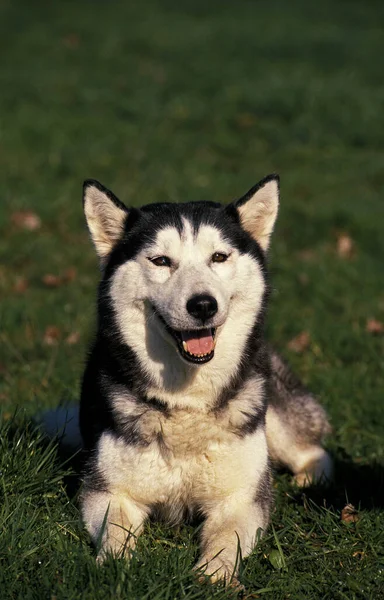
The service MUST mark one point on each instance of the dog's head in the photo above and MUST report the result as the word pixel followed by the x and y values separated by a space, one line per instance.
pixel 191 275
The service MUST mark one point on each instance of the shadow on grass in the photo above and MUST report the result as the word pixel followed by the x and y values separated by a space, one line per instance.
pixel 23 438
pixel 359 484
pixel 74 465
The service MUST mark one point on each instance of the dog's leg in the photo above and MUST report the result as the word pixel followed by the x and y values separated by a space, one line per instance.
pixel 113 521
pixel 231 531
pixel 307 459
pixel 296 426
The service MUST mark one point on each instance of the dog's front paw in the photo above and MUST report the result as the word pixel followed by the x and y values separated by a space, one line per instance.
pixel 216 569
pixel 117 548
pixel 107 552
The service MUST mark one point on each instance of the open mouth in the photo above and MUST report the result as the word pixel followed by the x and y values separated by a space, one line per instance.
pixel 197 346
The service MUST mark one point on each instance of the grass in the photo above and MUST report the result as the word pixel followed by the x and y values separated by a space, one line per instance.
pixel 176 100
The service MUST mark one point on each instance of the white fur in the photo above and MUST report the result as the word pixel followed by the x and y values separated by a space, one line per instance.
pixel 238 286
pixel 205 466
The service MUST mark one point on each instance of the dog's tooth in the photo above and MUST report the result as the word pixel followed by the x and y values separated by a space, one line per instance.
pixel 185 347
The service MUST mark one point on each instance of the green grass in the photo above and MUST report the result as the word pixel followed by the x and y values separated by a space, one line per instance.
pixel 194 100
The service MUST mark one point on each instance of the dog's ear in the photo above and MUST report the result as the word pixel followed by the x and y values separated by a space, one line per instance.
pixel 105 216
pixel 257 210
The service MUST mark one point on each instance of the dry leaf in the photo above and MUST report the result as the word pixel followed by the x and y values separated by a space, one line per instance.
pixel 69 274
pixel 307 255
pixel 71 40
pixel 300 343
pixel 245 120
pixel 73 338
pixel 51 280
pixel 303 278
pixel 374 326
pixel 349 514
pixel 52 335
pixel 29 332
pixel 26 219
pixel 345 245
pixel 20 285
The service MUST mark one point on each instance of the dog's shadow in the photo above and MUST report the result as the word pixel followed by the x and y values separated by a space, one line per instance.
pixel 359 484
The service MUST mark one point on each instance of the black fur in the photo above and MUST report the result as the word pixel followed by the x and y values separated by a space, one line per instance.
pixel 254 419
pixel 263 495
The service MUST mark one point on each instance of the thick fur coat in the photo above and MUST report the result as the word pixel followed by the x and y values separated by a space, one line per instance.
pixel 183 404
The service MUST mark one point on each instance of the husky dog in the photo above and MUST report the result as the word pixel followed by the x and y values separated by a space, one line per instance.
pixel 183 405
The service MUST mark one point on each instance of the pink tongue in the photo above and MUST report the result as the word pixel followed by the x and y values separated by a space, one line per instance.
pixel 198 342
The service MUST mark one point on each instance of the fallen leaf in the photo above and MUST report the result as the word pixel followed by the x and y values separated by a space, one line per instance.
pixel 26 219
pixel 374 326
pixel 307 255
pixel 71 40
pixel 349 514
pixel 29 332
pixel 51 280
pixel 20 285
pixel 51 335
pixel 300 343
pixel 245 120
pixel 345 246
pixel 72 338
pixel 69 274
pixel 303 278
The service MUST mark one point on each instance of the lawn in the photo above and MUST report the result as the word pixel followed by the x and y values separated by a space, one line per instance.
pixel 194 100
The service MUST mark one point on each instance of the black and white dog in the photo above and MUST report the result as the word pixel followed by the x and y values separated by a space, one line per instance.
pixel 183 405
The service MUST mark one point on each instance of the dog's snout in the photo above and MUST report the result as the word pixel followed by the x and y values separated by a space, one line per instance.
pixel 202 307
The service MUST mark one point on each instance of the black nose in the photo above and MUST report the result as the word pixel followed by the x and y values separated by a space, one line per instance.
pixel 202 306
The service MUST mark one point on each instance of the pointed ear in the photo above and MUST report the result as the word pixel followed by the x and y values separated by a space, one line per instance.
pixel 105 216
pixel 257 210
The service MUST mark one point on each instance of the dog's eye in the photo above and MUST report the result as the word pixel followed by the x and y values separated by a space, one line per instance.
pixel 161 261
pixel 219 257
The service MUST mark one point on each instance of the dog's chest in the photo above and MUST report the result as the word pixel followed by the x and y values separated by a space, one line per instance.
pixel 184 433
pixel 181 458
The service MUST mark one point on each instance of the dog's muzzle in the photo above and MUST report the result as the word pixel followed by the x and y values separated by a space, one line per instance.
pixel 195 346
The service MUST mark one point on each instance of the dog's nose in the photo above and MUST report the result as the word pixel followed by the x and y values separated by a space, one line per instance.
pixel 202 306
